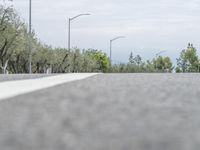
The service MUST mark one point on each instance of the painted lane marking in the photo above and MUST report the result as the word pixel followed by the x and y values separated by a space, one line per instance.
pixel 11 89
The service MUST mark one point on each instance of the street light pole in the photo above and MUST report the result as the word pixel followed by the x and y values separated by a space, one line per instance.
pixel 111 41
pixel 69 30
pixel 29 37
pixel 160 53
pixel 110 52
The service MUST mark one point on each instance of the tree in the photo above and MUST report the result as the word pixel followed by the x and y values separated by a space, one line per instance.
pixel 138 60
pixel 11 33
pixel 102 60
pixel 77 60
pixel 163 64
pixel 131 59
pixel 188 60
pixel 19 60
pixel 149 66
pixel 42 59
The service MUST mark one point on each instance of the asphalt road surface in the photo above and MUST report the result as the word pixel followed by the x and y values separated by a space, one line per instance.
pixel 106 112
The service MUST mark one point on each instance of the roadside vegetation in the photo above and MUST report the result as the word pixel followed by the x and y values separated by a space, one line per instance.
pixel 14 51
pixel 14 54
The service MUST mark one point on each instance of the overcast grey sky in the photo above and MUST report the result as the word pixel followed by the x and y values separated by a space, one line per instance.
pixel 150 26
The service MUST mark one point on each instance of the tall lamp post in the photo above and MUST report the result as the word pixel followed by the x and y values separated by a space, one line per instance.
pixel 29 37
pixel 69 30
pixel 111 41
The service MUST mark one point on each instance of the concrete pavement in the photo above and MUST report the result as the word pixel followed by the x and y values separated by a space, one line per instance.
pixel 106 112
pixel 18 87
pixel 13 77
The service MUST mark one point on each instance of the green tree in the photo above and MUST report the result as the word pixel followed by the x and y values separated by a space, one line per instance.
pixel 149 66
pixel 42 59
pixel 102 60
pixel 10 29
pixel 163 64
pixel 188 60
pixel 131 59
pixel 19 60
pixel 138 60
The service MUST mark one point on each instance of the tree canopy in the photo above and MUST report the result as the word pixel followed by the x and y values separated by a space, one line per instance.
pixel 188 60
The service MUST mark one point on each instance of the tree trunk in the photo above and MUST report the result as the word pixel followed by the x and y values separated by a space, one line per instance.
pixel 5 67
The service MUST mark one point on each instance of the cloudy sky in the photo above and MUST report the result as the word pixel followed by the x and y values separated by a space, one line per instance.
pixel 149 26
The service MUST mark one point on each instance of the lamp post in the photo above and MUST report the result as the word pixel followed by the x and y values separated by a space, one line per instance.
pixel 29 37
pixel 160 53
pixel 111 41
pixel 69 30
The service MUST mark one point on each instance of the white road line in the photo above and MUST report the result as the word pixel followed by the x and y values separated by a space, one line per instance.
pixel 14 88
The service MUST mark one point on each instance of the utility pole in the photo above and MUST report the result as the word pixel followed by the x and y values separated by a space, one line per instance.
pixel 29 37
pixel 69 32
